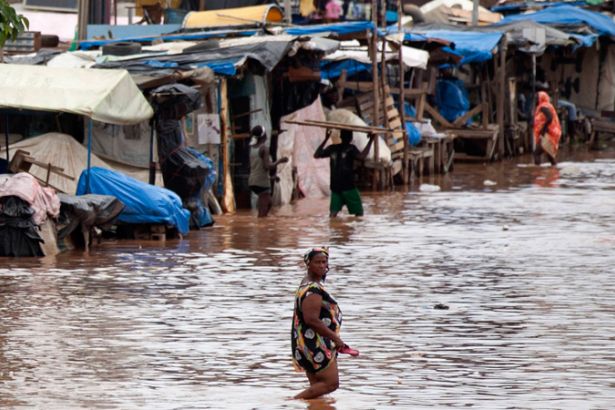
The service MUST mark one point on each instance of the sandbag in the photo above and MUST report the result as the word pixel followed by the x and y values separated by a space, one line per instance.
pixel 359 139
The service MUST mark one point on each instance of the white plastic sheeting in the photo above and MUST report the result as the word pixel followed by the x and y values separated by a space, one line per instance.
pixel 299 143
pixel 109 96
pixel 127 144
pixel 64 151
pixel 259 102
pixel 413 57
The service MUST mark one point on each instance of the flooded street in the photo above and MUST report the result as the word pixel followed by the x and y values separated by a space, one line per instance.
pixel 522 256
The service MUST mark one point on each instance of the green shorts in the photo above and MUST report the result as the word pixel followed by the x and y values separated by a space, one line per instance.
pixel 350 198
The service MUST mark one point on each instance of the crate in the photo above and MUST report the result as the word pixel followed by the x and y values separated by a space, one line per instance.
pixel 26 42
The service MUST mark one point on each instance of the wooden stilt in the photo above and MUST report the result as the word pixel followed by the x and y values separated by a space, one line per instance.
pixel 502 95
pixel 402 98
pixel 374 56
pixel 228 200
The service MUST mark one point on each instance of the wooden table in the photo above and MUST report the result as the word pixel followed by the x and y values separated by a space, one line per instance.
pixel 489 135
pixel 443 151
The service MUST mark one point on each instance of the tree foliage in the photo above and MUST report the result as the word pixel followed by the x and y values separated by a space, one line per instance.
pixel 11 23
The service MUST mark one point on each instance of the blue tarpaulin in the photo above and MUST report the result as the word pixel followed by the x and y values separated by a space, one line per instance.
pixel 144 203
pixel 337 28
pixel 222 67
pixel 564 14
pixel 333 69
pixel 474 46
pixel 452 98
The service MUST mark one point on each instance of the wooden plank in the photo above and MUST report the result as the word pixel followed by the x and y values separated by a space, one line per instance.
pixel 437 116
pixel 340 126
pixel 409 93
pixel 395 124
pixel 340 84
pixel 476 133
pixel 464 118
pixel 420 107
pixel 389 102
pixel 398 146
pixel 501 94
pixel 358 86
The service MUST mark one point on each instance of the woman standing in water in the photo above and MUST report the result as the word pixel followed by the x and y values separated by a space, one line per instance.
pixel 316 327
pixel 547 129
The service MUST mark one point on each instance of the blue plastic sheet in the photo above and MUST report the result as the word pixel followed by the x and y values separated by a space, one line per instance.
pixel 144 203
pixel 473 46
pixel 414 135
pixel 564 14
pixel 202 216
pixel 211 176
pixel 337 28
pixel 452 98
pixel 333 69
pixel 223 67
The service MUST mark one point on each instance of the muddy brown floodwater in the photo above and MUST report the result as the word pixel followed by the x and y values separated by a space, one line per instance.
pixel 522 256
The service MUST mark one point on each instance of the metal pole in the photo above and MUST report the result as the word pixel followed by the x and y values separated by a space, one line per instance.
pixel 475 6
pixel 87 180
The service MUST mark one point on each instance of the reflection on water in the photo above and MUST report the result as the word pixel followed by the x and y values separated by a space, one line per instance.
pixel 525 265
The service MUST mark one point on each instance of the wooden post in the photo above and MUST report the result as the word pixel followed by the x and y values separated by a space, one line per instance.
pixel 374 56
pixel 341 85
pixel 383 80
pixel 502 96
pixel 82 19
pixel 402 97
pixel 288 19
pixel 228 198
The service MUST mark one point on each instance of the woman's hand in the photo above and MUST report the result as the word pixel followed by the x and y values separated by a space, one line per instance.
pixel 339 343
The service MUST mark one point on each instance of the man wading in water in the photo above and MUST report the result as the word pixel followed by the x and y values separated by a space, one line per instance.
pixel 261 165
pixel 343 189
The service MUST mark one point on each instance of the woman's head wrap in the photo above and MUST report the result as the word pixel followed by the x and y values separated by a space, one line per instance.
pixel 307 257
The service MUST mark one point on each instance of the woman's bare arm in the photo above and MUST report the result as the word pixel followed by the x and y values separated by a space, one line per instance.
pixel 311 314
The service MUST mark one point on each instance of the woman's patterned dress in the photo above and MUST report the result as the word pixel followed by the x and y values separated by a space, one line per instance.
pixel 311 351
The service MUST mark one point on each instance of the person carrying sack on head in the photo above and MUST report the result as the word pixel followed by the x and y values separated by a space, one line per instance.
pixel 342 157
pixel 547 129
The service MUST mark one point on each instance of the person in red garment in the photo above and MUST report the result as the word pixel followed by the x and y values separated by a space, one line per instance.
pixel 315 334
pixel 547 130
